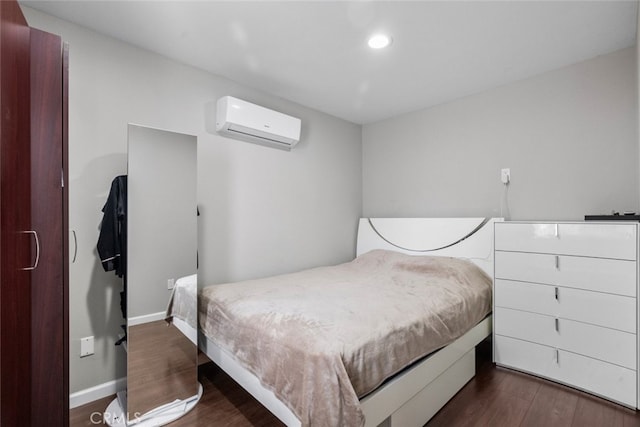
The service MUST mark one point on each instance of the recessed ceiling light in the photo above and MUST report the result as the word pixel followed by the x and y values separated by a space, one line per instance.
pixel 379 41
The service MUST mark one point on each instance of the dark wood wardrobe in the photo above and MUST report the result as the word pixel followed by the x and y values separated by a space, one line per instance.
pixel 34 377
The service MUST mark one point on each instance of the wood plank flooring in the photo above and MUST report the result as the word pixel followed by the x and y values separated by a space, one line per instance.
pixel 494 397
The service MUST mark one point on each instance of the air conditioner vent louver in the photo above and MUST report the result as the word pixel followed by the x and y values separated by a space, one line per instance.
pixel 238 132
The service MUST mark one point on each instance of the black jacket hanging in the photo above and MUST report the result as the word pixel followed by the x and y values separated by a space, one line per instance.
pixel 112 241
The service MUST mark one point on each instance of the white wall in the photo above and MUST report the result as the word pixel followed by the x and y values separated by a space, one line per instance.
pixel 570 137
pixel 263 211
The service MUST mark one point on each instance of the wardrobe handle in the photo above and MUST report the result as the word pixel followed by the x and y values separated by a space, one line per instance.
pixel 75 246
pixel 35 264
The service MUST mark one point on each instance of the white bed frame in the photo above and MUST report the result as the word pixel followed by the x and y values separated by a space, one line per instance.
pixel 412 397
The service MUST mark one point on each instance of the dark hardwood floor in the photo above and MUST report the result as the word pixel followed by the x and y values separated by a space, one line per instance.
pixel 495 397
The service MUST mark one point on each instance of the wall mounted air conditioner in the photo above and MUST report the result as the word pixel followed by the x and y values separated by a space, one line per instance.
pixel 249 122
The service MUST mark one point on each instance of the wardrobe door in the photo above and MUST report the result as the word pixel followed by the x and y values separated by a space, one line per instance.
pixel 15 232
pixel 49 402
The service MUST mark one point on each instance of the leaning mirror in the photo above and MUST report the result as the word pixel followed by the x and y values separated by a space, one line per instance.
pixel 161 301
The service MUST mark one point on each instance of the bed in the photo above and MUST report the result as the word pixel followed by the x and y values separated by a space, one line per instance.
pixel 370 356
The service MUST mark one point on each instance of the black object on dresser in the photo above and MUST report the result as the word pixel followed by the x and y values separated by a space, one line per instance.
pixel 633 217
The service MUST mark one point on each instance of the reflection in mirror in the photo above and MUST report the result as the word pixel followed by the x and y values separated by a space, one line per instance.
pixel 161 272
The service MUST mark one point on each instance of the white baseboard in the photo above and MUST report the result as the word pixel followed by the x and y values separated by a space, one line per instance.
pixel 138 320
pixel 99 391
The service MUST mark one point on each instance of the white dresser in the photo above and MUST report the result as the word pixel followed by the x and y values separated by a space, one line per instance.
pixel 565 304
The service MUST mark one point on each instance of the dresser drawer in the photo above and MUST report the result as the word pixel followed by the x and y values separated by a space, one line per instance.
pixel 601 378
pixel 583 239
pixel 600 343
pixel 595 274
pixel 608 310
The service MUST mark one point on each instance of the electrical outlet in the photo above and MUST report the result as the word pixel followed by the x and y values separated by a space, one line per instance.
pixel 86 346
pixel 171 283
pixel 505 175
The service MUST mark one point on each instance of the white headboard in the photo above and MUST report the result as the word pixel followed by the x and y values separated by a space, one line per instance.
pixel 470 238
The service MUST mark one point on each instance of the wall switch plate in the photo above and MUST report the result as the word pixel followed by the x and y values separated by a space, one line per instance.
pixel 505 175
pixel 171 283
pixel 86 346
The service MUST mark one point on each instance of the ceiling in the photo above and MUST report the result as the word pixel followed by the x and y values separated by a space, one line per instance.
pixel 316 53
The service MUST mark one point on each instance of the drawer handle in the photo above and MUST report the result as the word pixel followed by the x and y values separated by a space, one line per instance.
pixel 557 325
pixel 557 262
pixel 557 356
pixel 557 294
pixel 556 231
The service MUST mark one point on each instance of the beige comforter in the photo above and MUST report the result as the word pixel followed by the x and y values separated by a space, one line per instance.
pixel 322 338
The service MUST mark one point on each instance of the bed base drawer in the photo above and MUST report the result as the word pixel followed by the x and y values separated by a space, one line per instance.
pixel 434 396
